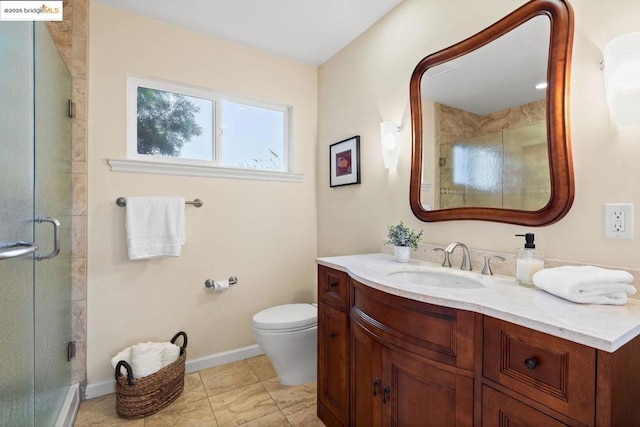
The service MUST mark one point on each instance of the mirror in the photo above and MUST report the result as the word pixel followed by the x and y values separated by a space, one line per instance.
pixel 488 145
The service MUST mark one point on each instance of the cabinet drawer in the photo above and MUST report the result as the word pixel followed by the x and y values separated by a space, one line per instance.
pixel 438 333
pixel 501 410
pixel 555 372
pixel 333 287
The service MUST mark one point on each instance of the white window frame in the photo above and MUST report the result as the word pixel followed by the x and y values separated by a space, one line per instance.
pixel 142 163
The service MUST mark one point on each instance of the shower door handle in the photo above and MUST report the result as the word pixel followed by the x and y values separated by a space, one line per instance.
pixel 15 249
pixel 56 237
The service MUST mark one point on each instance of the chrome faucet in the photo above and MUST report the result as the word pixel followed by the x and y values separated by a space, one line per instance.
pixel 466 259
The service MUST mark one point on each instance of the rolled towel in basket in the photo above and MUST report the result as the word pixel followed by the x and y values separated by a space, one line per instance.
pixel 170 353
pixel 123 355
pixel 586 284
pixel 146 358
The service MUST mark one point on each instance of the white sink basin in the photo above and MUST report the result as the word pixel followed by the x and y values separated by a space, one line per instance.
pixel 440 280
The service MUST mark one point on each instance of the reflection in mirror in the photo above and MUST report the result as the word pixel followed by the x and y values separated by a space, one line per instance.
pixel 489 142
pixel 507 169
pixel 489 135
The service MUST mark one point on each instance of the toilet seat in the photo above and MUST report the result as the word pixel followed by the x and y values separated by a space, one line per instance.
pixel 286 318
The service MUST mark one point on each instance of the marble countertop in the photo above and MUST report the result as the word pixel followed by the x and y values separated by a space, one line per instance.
pixel 605 327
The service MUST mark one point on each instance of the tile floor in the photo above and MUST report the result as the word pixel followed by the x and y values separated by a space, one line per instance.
pixel 243 393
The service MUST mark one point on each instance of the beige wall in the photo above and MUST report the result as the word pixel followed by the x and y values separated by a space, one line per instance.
pixel 368 82
pixel 263 232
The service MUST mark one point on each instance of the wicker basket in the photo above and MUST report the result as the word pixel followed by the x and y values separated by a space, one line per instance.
pixel 140 397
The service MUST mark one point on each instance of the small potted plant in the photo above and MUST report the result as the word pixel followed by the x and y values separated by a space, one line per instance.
pixel 403 240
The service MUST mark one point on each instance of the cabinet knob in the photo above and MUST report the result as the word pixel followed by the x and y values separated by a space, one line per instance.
pixel 333 285
pixel 332 335
pixel 531 363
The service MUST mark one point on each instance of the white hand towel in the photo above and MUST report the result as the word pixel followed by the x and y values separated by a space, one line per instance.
pixel 146 358
pixel 123 355
pixel 155 227
pixel 586 284
pixel 170 353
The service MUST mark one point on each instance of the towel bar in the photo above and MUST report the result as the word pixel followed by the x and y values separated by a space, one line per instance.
pixel 122 202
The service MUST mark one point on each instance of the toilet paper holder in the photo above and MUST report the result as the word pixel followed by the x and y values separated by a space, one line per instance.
pixel 209 283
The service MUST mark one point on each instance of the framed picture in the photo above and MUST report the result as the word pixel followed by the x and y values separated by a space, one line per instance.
pixel 344 162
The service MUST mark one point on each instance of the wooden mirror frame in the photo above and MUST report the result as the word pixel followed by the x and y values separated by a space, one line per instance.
pixel 560 14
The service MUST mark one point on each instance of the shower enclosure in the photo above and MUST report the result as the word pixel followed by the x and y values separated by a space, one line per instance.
pixel 504 169
pixel 35 224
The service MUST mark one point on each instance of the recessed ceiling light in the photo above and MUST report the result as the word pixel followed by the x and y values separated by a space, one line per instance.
pixel 542 85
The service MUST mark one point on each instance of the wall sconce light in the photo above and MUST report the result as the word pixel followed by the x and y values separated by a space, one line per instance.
pixel 622 78
pixel 390 140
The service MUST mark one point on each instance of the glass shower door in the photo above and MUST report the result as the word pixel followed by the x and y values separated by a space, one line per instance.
pixel 16 224
pixel 52 200
pixel 35 188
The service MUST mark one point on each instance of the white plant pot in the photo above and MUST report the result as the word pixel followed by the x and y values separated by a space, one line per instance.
pixel 402 253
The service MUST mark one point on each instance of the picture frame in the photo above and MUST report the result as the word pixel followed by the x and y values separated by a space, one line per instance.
pixel 344 162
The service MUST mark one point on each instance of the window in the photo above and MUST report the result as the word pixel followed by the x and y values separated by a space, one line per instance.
pixel 178 124
pixel 173 125
pixel 252 137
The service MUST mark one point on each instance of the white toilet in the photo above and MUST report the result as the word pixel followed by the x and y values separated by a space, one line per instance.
pixel 288 336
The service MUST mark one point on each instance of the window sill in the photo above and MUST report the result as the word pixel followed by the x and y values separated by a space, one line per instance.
pixel 138 166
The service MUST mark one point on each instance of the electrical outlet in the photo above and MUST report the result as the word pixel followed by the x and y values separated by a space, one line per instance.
pixel 618 220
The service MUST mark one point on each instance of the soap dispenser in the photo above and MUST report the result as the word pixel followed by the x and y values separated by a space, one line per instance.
pixel 528 261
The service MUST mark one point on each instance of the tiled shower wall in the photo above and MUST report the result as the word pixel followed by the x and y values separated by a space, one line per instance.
pixel 455 126
pixel 71 38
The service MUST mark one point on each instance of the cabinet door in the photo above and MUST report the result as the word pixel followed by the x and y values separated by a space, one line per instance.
pixel 333 361
pixel 423 395
pixel 500 410
pixel 366 381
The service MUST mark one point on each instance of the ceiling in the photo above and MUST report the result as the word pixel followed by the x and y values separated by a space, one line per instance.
pixel 309 31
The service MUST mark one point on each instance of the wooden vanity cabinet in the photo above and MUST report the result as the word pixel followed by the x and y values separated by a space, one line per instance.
pixel 387 360
pixel 333 347
pixel 411 363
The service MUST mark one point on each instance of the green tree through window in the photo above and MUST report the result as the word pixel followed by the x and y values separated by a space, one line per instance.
pixel 166 121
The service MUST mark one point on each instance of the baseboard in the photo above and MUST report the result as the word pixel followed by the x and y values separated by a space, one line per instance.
pixel 107 387
pixel 222 358
pixel 67 414
pixel 98 389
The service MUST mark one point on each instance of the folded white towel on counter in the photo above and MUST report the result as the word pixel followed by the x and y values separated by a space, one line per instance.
pixel 586 284
pixel 155 227
pixel 146 358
